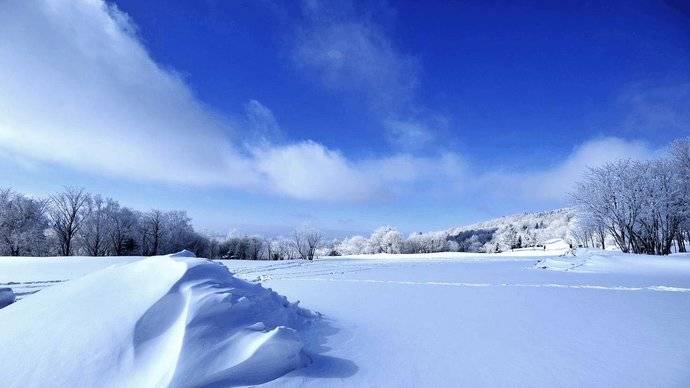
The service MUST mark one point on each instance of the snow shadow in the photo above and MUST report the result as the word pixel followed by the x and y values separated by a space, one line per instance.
pixel 214 330
pixel 322 365
pixel 7 297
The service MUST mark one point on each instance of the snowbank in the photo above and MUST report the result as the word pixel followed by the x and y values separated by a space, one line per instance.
pixel 7 297
pixel 160 321
pixel 588 260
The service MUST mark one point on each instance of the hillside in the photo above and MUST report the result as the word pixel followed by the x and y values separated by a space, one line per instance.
pixel 515 231
pixel 551 228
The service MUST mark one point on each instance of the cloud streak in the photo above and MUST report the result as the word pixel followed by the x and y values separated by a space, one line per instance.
pixel 350 53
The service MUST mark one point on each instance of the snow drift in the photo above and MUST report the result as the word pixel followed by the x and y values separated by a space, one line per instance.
pixel 160 321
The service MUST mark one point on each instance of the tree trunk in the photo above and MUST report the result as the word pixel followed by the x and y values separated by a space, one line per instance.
pixel 681 241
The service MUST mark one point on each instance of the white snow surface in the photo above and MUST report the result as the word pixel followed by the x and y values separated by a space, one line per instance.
pixel 584 260
pixel 162 321
pixel 595 319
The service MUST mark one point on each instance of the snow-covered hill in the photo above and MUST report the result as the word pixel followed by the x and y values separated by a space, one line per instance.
pixel 516 231
pixel 545 230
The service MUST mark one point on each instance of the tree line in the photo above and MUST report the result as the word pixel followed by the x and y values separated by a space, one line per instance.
pixel 74 222
pixel 387 239
pixel 643 206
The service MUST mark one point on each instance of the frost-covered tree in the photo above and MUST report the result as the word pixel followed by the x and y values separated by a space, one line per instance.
pixel 355 245
pixel 590 231
pixel 123 226
pixel 642 205
pixel 22 225
pixel 680 161
pixel 73 222
pixel 94 233
pixel 306 242
pixel 67 211
pixel 386 240
pixel 151 229
pixel 510 239
pixel 285 249
pixel 177 232
pixel 427 242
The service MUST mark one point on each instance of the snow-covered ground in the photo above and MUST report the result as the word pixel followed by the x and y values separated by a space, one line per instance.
pixel 598 319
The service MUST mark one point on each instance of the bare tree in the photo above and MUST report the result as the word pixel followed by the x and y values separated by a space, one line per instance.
pixel 680 158
pixel 306 242
pixel 122 225
pixel 153 229
pixel 67 213
pixel 177 234
pixel 285 249
pixel 95 230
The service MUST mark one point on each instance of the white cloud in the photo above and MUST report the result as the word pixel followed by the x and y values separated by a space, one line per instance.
pixel 554 183
pixel 262 122
pixel 408 134
pixel 308 170
pixel 355 56
pixel 79 89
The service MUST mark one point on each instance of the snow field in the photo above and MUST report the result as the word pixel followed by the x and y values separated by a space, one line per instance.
pixel 490 320
pixel 595 319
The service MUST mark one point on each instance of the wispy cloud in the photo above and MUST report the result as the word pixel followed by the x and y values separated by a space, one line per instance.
pixel 262 123
pixel 80 89
pixel 649 108
pixel 350 52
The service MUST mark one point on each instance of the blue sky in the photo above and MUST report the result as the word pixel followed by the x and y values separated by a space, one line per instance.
pixel 262 115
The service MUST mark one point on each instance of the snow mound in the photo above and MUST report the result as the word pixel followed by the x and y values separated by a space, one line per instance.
pixel 160 321
pixel 7 297
pixel 183 253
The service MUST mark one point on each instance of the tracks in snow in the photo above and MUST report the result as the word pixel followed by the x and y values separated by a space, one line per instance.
pixel 322 272
pixel 331 271
pixel 521 285
pixel 24 289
